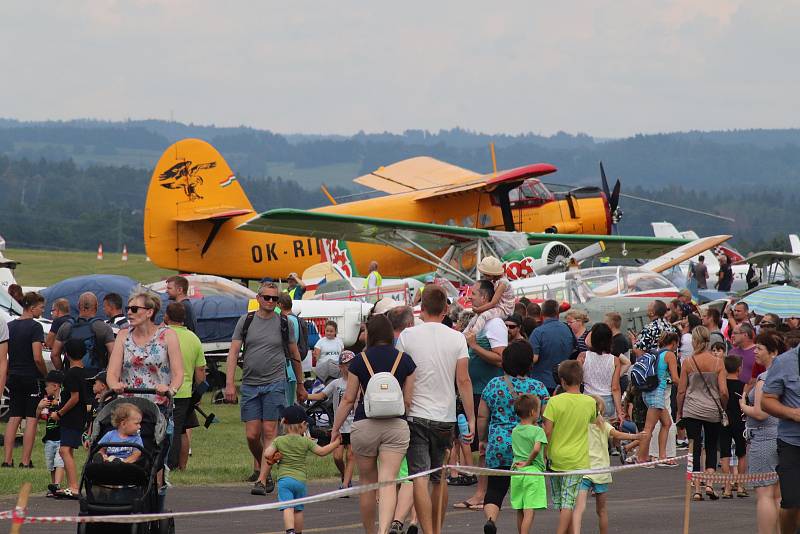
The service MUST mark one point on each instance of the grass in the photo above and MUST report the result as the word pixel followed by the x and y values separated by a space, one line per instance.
pixel 219 456
pixel 46 267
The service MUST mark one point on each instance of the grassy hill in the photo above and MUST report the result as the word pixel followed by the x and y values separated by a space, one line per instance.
pixel 46 267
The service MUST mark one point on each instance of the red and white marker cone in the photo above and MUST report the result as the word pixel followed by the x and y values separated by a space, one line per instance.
pixel 124 252
pixel 100 251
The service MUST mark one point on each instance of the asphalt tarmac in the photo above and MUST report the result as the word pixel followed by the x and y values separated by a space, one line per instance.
pixel 641 500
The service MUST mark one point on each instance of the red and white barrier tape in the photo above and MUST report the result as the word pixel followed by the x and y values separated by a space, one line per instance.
pixel 734 477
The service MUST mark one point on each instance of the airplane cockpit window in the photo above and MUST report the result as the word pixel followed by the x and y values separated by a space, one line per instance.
pixel 532 192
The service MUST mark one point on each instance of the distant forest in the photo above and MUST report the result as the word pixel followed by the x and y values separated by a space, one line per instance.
pixel 72 184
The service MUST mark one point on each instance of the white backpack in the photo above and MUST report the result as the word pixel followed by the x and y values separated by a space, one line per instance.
pixel 383 397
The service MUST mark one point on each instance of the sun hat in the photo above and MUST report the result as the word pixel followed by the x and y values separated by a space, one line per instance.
pixel 385 304
pixel 491 266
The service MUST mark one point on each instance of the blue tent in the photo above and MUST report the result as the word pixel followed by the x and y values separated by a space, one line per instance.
pixel 216 314
pixel 99 284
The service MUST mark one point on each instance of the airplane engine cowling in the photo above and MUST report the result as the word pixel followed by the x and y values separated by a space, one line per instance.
pixel 525 262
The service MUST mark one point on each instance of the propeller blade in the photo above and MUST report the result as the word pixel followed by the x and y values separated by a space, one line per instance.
pixel 605 182
pixel 591 251
pixel 613 202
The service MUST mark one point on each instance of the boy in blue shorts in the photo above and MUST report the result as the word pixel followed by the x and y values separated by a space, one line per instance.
pixel 289 453
pixel 566 424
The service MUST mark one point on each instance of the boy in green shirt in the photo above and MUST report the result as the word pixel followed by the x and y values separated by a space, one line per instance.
pixel 289 453
pixel 566 424
pixel 528 493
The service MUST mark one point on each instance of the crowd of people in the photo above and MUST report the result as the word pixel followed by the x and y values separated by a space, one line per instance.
pixel 527 388
pixel 93 358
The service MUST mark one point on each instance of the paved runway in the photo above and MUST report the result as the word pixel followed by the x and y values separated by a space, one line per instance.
pixel 642 500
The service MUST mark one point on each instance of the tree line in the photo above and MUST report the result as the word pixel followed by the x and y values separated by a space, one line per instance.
pixel 60 205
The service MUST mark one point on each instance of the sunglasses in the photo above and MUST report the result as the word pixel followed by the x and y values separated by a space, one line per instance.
pixel 271 298
pixel 762 324
pixel 512 325
pixel 135 309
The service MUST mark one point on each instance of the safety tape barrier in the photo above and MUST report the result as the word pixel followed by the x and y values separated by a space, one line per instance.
pixel 473 470
pixel 20 516
pixel 143 518
pixel 734 477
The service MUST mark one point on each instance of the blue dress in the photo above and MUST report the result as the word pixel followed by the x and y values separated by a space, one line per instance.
pixel 655 398
pixel 503 419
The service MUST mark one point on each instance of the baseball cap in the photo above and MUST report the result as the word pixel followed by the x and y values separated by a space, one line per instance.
pixel 101 376
pixel 294 275
pixel 55 376
pixel 294 414
pixel 429 279
pixel 346 357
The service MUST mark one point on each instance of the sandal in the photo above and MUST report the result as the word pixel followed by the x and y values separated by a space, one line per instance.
pixel 711 493
pixel 697 496
pixel 466 505
pixel 726 495
pixel 742 492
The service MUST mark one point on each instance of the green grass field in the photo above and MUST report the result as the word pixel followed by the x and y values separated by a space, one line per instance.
pixel 46 267
pixel 219 456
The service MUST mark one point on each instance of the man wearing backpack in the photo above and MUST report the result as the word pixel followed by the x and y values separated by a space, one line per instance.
pixel 96 335
pixel 266 340
pixel 441 356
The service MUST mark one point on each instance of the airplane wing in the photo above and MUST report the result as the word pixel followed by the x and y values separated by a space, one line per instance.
pixel 683 253
pixel 762 259
pixel 360 229
pixel 414 174
pixel 437 179
pixel 379 231
pixel 617 246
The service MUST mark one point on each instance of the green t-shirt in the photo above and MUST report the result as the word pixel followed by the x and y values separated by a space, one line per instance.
pixel 294 449
pixel 571 414
pixel 523 438
pixel 598 451
pixel 192 351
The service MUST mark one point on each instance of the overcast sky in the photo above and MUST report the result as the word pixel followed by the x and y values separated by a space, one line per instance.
pixel 607 68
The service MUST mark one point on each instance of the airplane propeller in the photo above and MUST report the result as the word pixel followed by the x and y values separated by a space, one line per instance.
pixel 562 264
pixel 613 199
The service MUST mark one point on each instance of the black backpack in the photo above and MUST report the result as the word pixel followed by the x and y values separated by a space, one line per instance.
pixel 95 355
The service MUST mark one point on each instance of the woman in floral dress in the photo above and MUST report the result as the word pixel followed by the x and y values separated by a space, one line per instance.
pixel 496 418
pixel 147 356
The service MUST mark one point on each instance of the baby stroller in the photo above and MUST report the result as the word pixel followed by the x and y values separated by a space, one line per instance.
pixel 111 488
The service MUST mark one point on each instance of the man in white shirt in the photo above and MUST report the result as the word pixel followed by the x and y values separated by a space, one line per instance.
pixel 441 356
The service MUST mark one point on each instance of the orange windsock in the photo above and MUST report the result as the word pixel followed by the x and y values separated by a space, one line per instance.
pixel 100 251
pixel 124 252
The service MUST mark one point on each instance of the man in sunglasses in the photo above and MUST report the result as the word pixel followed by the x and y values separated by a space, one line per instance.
pixel 514 325
pixel 268 340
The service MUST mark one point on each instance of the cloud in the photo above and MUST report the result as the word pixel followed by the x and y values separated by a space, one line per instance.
pixel 609 68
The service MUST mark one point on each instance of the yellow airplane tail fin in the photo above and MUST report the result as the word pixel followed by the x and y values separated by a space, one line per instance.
pixel 192 193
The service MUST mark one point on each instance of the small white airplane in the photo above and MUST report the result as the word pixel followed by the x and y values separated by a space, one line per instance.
pixel 668 230
pixel 778 266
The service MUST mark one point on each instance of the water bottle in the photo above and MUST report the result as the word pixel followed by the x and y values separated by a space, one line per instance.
pixel 463 426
